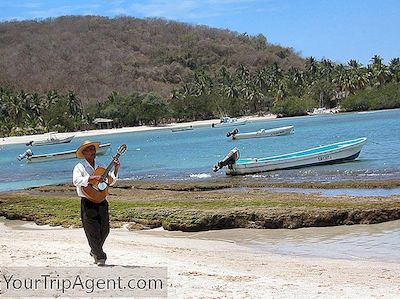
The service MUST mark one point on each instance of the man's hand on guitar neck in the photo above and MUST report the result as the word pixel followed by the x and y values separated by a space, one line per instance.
pixel 116 166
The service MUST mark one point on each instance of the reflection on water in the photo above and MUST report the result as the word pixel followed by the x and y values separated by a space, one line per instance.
pixel 343 191
pixel 372 241
pixel 325 192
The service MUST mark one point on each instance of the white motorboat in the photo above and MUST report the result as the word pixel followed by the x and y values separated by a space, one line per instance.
pixel 322 111
pixel 180 129
pixel 263 133
pixel 103 149
pixel 328 154
pixel 228 122
pixel 51 139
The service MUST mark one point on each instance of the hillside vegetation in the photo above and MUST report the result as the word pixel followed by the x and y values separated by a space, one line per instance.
pixel 94 56
pixel 59 74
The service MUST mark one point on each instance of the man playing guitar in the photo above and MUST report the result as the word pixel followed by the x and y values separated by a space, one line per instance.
pixel 94 215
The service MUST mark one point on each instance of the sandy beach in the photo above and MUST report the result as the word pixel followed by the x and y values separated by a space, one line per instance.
pixel 202 268
pixel 91 133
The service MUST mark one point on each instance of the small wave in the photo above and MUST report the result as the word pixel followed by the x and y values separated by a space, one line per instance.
pixel 200 175
pixel 368 112
pixel 378 174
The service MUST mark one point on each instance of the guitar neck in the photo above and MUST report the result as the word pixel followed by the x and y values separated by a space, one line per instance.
pixel 108 169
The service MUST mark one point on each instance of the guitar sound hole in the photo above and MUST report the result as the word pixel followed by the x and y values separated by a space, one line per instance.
pixel 102 186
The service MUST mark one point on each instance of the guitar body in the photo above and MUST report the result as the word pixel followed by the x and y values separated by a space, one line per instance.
pixel 92 191
pixel 97 191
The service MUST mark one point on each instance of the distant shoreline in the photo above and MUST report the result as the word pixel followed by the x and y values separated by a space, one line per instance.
pixel 90 133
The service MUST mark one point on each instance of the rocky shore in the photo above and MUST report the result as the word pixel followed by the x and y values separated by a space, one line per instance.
pixel 205 205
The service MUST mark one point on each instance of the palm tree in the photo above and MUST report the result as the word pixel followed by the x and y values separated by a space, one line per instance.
pixel 51 98
pixel 377 61
pixel 311 66
pixel 394 68
pixel 36 108
pixel 74 104
pixel 354 64
pixel 280 95
pixel 327 68
pixel 223 75
pixel 379 72
pixel 357 77
pixel 16 109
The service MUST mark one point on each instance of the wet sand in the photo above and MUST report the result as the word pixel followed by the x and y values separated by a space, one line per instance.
pixel 356 242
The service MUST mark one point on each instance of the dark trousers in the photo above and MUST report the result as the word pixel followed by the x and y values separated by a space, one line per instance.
pixel 96 223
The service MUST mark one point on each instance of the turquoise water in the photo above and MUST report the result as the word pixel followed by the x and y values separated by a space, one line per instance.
pixel 190 155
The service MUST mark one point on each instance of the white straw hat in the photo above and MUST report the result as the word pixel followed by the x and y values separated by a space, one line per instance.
pixel 84 145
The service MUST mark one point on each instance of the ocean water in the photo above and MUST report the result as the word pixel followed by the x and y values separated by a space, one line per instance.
pixel 190 155
pixel 379 242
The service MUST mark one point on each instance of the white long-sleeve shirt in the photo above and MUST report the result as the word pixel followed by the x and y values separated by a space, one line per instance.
pixel 82 171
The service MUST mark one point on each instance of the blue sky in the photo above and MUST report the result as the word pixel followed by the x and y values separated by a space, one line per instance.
pixel 339 30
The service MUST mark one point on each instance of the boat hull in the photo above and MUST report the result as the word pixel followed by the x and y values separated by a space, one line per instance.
pixel 330 154
pixel 265 133
pixel 180 129
pixel 103 149
pixel 52 141
pixel 229 123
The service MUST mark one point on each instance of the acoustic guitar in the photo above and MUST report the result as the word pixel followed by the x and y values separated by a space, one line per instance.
pixel 97 190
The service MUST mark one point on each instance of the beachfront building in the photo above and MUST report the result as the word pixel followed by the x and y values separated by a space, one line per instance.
pixel 103 123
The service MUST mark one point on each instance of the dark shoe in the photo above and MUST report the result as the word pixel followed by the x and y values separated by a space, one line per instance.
pixel 96 260
pixel 101 262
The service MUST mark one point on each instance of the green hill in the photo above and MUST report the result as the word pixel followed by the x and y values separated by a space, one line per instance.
pixel 94 56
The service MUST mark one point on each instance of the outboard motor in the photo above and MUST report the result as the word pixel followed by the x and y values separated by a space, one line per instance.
pixel 229 159
pixel 234 132
pixel 28 153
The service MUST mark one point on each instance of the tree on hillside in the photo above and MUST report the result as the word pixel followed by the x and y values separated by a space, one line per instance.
pixel 394 68
pixel 380 73
pixel 153 108
pixel 74 104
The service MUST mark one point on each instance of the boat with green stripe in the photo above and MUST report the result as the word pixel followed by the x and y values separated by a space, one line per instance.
pixel 327 154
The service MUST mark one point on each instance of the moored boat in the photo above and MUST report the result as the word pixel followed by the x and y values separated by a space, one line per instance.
pixel 264 133
pixel 229 121
pixel 322 111
pixel 180 129
pixel 51 139
pixel 328 154
pixel 103 149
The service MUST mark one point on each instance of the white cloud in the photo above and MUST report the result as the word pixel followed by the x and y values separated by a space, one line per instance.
pixel 183 9
pixel 31 4
pixel 47 12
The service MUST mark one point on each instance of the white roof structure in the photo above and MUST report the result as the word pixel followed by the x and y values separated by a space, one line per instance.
pixel 102 120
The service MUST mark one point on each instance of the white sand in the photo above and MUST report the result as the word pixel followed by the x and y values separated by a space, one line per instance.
pixel 92 133
pixel 203 268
